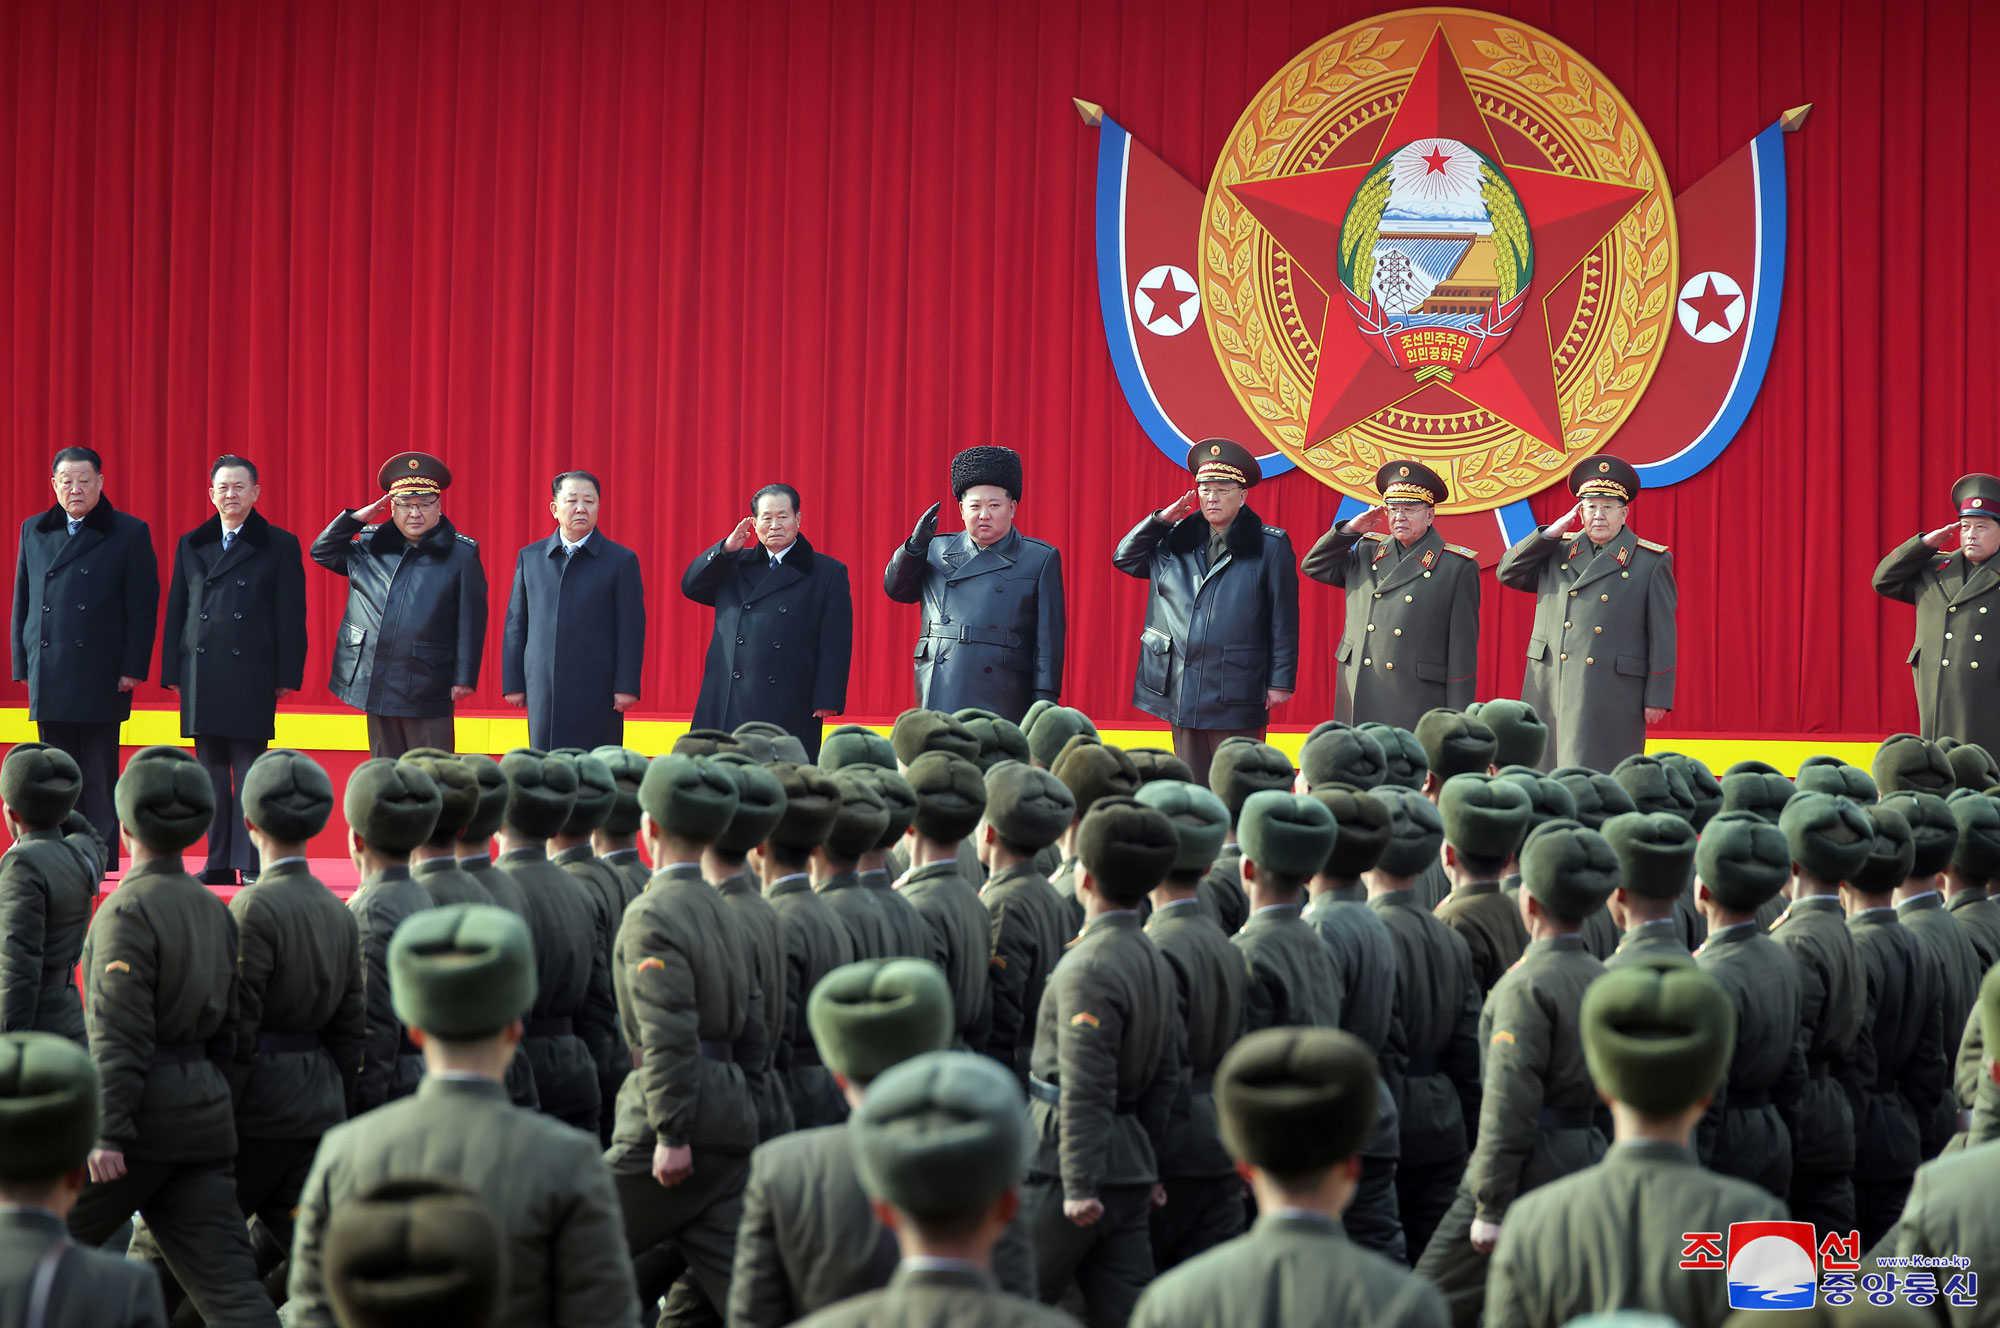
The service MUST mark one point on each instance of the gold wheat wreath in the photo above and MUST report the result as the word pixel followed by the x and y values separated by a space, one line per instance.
pixel 1351 83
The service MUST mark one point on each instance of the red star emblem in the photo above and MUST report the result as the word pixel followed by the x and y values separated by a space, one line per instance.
pixel 1168 299
pixel 1434 161
pixel 1711 306
pixel 1567 215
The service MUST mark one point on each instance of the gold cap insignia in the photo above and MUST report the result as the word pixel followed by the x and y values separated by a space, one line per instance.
pixel 413 463
pixel 1603 466
pixel 1403 471
pixel 1214 450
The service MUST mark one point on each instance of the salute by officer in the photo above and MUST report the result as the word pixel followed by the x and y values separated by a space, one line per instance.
pixel 409 642
pixel 575 639
pixel 784 623
pixel 992 598
pixel 86 585
pixel 48 886
pixel 1221 643
pixel 1411 642
pixel 1953 588
pixel 1601 659
pixel 234 646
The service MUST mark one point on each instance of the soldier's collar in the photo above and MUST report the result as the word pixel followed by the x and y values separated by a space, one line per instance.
pixel 1650 1150
pixel 401 873
pixel 1304 1220
pixel 620 855
pixel 789 885
pixel 1569 940
pixel 574 853
pixel 1917 903
pixel 1117 917
pixel 1470 889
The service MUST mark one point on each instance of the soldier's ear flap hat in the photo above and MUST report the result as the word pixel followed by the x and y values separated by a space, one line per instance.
pixel 1658 1038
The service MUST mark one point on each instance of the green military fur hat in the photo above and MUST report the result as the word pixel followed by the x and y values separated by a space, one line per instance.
pixel 165 799
pixel 541 792
pixel 1028 808
pixel 462 972
pixel 1972 766
pixel 755 746
pixel 1978 817
pixel 919 731
pixel 999 738
pixel 1702 785
pixel 1342 755
pixel 1655 852
pixel 1294 1101
pixel 1288 833
pixel 393 807
pixel 1989 1007
pixel 288 795
pixel 1933 830
pixel 897 796
pixel 1519 735
pixel 784 745
pixel 1549 799
pixel 1404 763
pixel 1830 774
pixel 1569 868
pixel 492 807
pixel 1752 767
pixel 1034 713
pixel 1415 831
pixel 943 1134
pixel 1091 770
pixel 414 1250
pixel 863 816
pixel 1050 731
pixel 1743 859
pixel 1654 786
pixel 852 744
pixel 708 742
pixel 760 804
pixel 951 795
pixel 40 783
pixel 458 791
pixel 1658 1039
pixel 1483 815
pixel 1829 836
pixel 1243 766
pixel 1906 761
pixel 1890 856
pixel 1157 763
pixel 1598 796
pixel 690 797
pixel 1127 847
pixel 596 792
pixel 1364 824
pixel 1761 793
pixel 628 771
pixel 1455 743
pixel 50 1103
pixel 869 1016
pixel 1199 818
pixel 812 805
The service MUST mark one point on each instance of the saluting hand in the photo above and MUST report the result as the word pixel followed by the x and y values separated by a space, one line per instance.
pixel 1181 508
pixel 926 528
pixel 375 511
pixel 1562 525
pixel 1370 522
pixel 1936 539
pixel 741 537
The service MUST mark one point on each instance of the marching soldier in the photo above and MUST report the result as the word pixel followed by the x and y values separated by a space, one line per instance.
pixel 1296 1105
pixel 1601 659
pixel 1026 811
pixel 391 808
pixel 1657 1042
pixel 434 863
pixel 1242 767
pixel 919 731
pixel 1830 839
pixel 1537 1115
pixel 857 829
pixel 951 797
pixel 816 940
pixel 1485 821
pixel 48 886
pixel 1090 770
pixel 1204 1204
pixel 464 978
pixel 1285 838
pixel 1953 591
pixel 1739 864
pixel 604 891
pixel 1454 744
pixel 992 597
pixel 912 937
pixel 616 842
pixel 50 1106
pixel 760 804
pixel 1973 866
pixel 1411 643
pixel 1655 868
pixel 1599 797
pixel 1921 911
pixel 1221 642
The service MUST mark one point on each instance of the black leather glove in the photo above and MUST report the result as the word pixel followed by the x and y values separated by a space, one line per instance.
pixel 920 538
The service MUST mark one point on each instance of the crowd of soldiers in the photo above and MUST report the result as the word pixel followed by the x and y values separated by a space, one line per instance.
pixel 986 1023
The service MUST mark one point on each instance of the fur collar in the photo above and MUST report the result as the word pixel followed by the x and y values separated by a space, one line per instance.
pixel 255 530
pixel 437 540
pixel 800 556
pixel 1245 538
pixel 102 518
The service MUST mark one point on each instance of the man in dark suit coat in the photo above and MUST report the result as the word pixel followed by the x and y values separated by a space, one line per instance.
pixel 784 624
pixel 86 587
pixel 235 646
pixel 576 627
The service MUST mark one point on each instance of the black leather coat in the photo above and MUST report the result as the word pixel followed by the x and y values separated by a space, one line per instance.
pixel 993 621
pixel 415 621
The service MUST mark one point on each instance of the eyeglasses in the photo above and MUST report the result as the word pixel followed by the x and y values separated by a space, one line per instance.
pixel 414 504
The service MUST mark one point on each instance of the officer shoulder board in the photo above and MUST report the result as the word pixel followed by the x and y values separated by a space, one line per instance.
pixel 1648 544
pixel 1377 536
pixel 1462 551
pixel 465 539
pixel 1278 531
pixel 366 531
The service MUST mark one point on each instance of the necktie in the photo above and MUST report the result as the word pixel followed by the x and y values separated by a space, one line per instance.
pixel 228 539
pixel 74 526
pixel 774 562
pixel 1218 540
pixel 569 550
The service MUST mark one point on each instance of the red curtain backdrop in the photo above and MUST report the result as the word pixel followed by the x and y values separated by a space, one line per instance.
pixel 698 247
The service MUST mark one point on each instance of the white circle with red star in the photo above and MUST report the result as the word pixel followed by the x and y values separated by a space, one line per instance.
pixel 1167 300
pixel 1712 306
